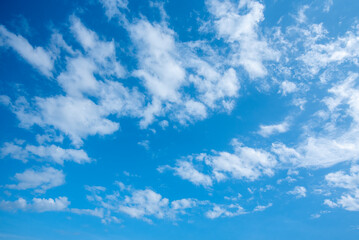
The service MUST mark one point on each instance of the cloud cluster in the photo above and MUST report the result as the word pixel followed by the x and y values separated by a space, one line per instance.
pixel 50 153
pixel 38 179
pixel 238 25
pixel 244 163
pixel 36 205
pixel 141 204
pixel 350 182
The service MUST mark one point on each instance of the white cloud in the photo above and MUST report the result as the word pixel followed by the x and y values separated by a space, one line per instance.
pixel 13 206
pixel 350 202
pixel 113 7
pixel 238 25
pixel 97 212
pixel 50 153
pixel 231 210
pixel 14 151
pixel 59 155
pixel 235 198
pixel 327 5
pixel 144 202
pixel 299 192
pixel 350 182
pixel 76 117
pixel 38 179
pixel 74 114
pixel 261 208
pixel 145 144
pixel 330 203
pixel 268 130
pixel 334 143
pixel 141 204
pixel 46 205
pixel 38 57
pixel 37 204
pixel 245 163
pixel 301 17
pixel 319 55
pixel 342 180
pixel 187 171
pixel 288 87
pixel 160 69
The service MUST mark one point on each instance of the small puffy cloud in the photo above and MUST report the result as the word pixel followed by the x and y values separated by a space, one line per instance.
pixel 160 68
pixel 49 153
pixel 38 179
pixel 342 180
pixel 59 155
pixel 14 151
pixel 268 130
pixel 321 51
pixel 231 210
pixel 350 202
pixel 301 17
pixel 238 25
pixel 183 204
pixel 350 182
pixel 245 163
pixel 287 87
pixel 261 208
pixel 187 171
pixel 12 206
pixel 37 204
pixel 76 117
pixel 299 192
pixel 113 7
pixel 38 57
pixel 141 204
pixel 144 202
pixel 145 144
pixel 47 205
pixel 45 153
pixel 330 203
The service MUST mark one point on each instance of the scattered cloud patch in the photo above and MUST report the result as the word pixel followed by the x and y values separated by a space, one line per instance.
pixel 38 179
pixel 299 192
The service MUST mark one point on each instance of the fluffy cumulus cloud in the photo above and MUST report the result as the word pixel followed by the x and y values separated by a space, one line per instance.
pixel 244 163
pixel 49 153
pixel 267 130
pixel 299 192
pixel 149 205
pixel 261 208
pixel 319 55
pixel 238 24
pixel 39 180
pixel 38 57
pixel 141 204
pixel 350 182
pixel 231 210
pixel 74 114
pixel 187 171
pixel 167 67
pixel 36 205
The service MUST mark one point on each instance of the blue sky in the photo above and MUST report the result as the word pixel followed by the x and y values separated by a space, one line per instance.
pixel 213 119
